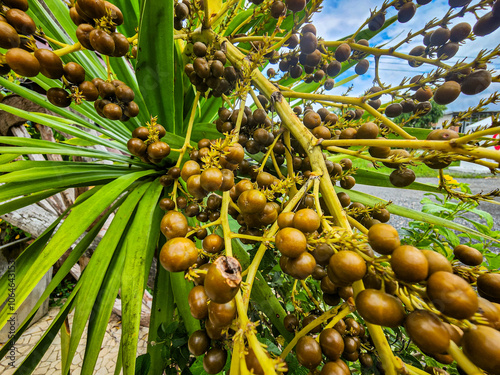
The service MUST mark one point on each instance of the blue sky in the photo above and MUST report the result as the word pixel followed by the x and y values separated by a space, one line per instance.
pixel 340 18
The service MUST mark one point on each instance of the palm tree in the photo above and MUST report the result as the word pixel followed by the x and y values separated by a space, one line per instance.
pixel 96 177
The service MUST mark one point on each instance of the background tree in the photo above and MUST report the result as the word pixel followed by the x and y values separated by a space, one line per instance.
pixel 424 121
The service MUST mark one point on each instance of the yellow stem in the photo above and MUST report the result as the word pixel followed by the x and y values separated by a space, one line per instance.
pixel 307 141
pixel 251 238
pixel 448 146
pixel 356 224
pixel 136 36
pixel 208 225
pixel 387 52
pixel 69 49
pixel 245 325
pixel 253 39
pixel 464 362
pixel 277 167
pixel 186 144
pixel 256 99
pixel 332 313
pixel 224 217
pixel 55 41
pixel 476 135
pixel 351 101
pixel 414 370
pixel 289 162
pixel 309 294
pixel 268 153
pixel 227 5
pixel 108 69
pixel 236 357
pixel 386 121
pixel 240 114
pixel 317 204
pixel 254 266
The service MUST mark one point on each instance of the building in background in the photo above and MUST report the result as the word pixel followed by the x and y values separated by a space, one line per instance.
pixel 448 116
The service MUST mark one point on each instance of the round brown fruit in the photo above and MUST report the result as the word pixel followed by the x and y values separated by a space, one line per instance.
pixel 178 254
pixel 348 266
pixel 409 264
pixel 190 168
pixel 437 262
pixel 211 179
pixel 402 177
pixel 213 243
pixel 74 73
pixel 308 352
pixel 59 97
pixel 393 110
pixel 94 9
pixel 102 42
pixel 342 52
pixel 383 238
pixel 198 302
pixel 332 344
pixel 158 150
pixel 291 323
pixel 222 314
pixel 50 64
pixel 295 5
pixel 302 266
pixel 112 111
pixel 475 82
pixel 379 308
pixel 482 345
pixel 488 285
pixel 137 147
pixel 91 94
pixel 174 224
pixel 223 279
pixel 468 255
pixel 447 92
pixel 427 331
pixel 214 360
pixel 368 130
pixel 18 19
pixel 452 295
pixel 306 220
pixel 22 62
pixel 199 342
pixel 252 201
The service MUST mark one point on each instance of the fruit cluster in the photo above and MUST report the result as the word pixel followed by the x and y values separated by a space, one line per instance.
pixel 146 140
pixel 16 28
pixel 97 21
pixel 208 71
pixel 113 99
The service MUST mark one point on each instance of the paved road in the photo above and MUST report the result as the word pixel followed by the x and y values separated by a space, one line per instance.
pixel 412 198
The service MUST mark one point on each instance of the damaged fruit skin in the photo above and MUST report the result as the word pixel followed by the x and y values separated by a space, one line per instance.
pixel 223 279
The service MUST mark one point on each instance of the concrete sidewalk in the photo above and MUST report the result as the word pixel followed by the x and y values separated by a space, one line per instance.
pixel 51 361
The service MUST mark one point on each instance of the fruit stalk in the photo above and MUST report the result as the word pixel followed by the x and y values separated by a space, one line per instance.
pixel 476 135
pixel 353 101
pixel 307 141
pixel 69 49
pixel 388 52
pixel 224 217
pixel 462 360
pixel 334 312
pixel 254 266
pixel 245 325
